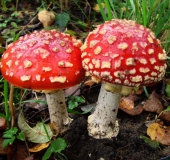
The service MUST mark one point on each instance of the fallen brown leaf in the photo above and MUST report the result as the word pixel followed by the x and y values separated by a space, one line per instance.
pixel 2 150
pixel 36 103
pixel 153 104
pixel 89 83
pixel 127 102
pixel 39 147
pixel 140 91
pixel 159 133
pixel 3 123
pixel 31 157
pixel 165 116
pixel 127 105
pixel 75 89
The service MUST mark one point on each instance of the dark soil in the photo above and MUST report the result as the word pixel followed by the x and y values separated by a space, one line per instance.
pixel 126 146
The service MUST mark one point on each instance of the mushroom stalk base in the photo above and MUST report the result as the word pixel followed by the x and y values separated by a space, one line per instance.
pixel 58 111
pixel 102 123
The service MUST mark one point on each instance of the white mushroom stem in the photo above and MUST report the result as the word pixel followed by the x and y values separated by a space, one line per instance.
pixel 102 122
pixel 58 111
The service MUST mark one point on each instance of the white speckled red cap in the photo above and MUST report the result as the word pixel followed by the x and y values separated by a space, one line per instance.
pixel 124 52
pixel 43 60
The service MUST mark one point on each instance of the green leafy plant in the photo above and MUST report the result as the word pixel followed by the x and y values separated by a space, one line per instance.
pixel 7 112
pixel 3 3
pixel 56 147
pixel 167 90
pixel 74 102
pixel 65 16
pixel 152 143
pixel 11 135
pixel 62 19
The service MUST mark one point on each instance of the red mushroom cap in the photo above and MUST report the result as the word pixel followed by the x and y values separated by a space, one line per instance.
pixel 124 52
pixel 43 60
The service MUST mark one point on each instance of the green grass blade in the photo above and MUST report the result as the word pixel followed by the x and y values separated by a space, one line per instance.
pixel 161 17
pixel 6 101
pixel 144 12
pixel 149 11
pixel 46 130
pixel 110 16
pixel 131 9
pixel 135 11
pixel 133 5
pixel 102 10
pixel 81 10
pixel 113 9
pixel 138 13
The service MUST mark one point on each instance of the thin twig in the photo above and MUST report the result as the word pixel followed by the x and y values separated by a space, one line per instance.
pixel 11 107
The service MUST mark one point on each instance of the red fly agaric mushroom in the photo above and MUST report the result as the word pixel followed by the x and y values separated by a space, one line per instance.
pixel 119 52
pixel 45 60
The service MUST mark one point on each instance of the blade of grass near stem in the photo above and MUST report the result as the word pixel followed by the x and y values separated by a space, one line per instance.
pixel 113 9
pixel 128 15
pixel 45 130
pixel 138 12
pixel 110 16
pixel 81 10
pixel 160 17
pixel 149 9
pixel 133 5
pixel 134 11
pixel 11 107
pixel 144 12
pixel 102 10
pixel 6 101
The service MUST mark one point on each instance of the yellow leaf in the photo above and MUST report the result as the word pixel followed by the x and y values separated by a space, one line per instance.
pixel 96 7
pixel 39 147
pixel 159 133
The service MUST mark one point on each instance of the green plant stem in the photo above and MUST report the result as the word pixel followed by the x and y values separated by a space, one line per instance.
pixel 81 10
pixel 113 8
pixel 144 12
pixel 3 3
pixel 61 5
pixel 11 107
pixel 146 92
pixel 6 102
pixel 102 10
pixel 46 130
pixel 61 156
pixel 110 16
